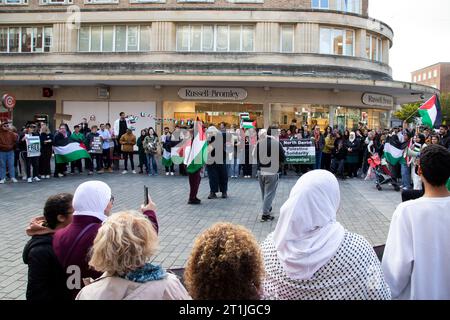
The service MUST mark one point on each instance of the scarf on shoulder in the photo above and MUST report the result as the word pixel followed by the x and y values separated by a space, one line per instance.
pixel 146 273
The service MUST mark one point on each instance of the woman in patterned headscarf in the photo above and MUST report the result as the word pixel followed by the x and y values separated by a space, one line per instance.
pixel 310 256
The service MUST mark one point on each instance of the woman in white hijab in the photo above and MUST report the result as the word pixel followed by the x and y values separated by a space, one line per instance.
pixel 310 256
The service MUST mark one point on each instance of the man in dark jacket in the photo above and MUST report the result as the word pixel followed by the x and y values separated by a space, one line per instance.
pixel 444 135
pixel 46 278
pixel 270 157
pixel 61 140
pixel 8 141
pixel 216 164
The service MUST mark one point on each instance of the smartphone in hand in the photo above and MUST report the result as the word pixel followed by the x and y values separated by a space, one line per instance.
pixel 145 195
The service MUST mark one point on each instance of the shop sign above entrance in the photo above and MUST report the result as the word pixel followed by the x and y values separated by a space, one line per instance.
pixel 378 100
pixel 198 93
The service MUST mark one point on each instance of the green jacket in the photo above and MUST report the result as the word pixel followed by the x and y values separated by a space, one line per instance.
pixel 77 137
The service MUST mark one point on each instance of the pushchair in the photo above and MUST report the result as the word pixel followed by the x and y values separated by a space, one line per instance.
pixel 383 174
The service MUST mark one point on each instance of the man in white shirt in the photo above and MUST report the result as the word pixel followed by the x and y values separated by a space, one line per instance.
pixel 417 255
pixel 106 135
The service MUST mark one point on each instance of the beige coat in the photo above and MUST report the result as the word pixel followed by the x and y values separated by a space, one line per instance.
pixel 116 288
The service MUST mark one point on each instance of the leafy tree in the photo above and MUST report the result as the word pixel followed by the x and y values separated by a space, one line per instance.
pixel 407 110
pixel 445 106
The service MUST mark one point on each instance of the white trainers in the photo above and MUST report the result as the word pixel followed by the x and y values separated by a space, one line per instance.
pixel 124 172
pixel 167 173
pixel 172 173
pixel 24 178
pixel 47 177
pixel 60 175
pixel 2 181
pixel 134 171
pixel 30 180
pixel 14 180
pixel 36 179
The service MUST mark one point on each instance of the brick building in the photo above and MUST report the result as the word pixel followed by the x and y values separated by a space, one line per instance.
pixel 322 62
pixel 436 76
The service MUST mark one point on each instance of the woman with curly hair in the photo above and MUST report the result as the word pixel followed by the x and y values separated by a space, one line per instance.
pixel 122 250
pixel 225 264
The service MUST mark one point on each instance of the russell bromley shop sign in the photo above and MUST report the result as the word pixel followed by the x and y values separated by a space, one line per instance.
pixel 234 94
pixel 377 100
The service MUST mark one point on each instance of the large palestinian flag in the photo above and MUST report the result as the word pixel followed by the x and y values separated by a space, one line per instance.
pixel 197 151
pixel 431 112
pixel 72 152
pixel 166 158
pixel 393 150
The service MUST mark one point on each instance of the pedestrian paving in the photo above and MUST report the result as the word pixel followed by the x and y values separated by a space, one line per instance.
pixel 363 210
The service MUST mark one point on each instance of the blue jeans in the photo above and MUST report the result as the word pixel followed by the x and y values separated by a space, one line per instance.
pixel 152 167
pixel 318 159
pixel 406 176
pixel 7 158
pixel 233 167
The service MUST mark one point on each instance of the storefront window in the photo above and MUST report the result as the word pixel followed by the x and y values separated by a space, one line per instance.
pixel 282 115
pixel 179 113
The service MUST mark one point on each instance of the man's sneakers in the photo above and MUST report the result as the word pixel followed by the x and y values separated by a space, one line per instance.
pixel 60 175
pixel 2 181
pixel 134 171
pixel 14 180
pixel 36 179
pixel 172 173
pixel 167 173
pixel 24 178
pixel 29 180
pixel 110 170
pixel 212 195
pixel 267 217
pixel 124 172
pixel 224 195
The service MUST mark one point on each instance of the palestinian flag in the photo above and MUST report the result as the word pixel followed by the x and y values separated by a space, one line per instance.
pixel 72 152
pixel 166 158
pixel 248 124
pixel 393 150
pixel 178 152
pixel 197 151
pixel 431 112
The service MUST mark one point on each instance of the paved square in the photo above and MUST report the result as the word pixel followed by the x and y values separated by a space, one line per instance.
pixel 363 210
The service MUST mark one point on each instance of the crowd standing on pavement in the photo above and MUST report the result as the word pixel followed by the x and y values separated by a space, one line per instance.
pixel 308 256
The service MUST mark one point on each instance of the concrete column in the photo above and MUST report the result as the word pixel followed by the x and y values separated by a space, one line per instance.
pixel 386 47
pixel 308 38
pixel 64 39
pixel 163 36
pixel 332 111
pixel 267 115
pixel 267 37
pixel 360 43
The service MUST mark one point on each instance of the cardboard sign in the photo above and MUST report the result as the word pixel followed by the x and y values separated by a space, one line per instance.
pixel 33 146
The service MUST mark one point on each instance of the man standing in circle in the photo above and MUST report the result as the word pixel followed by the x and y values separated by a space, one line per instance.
pixel 120 128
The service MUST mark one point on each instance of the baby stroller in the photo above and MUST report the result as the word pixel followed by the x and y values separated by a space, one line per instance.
pixel 382 172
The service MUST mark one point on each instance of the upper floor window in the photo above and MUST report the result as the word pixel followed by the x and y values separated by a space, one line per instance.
pixel 147 1
pixel 13 2
pixel 55 2
pixel 26 39
pixel 222 38
pixel 429 75
pixel 419 78
pixel 424 76
pixel 100 1
pixel 353 6
pixel 287 38
pixel 374 48
pixel 337 41
pixel 414 79
pixel 114 38
pixel 320 4
pixel 435 73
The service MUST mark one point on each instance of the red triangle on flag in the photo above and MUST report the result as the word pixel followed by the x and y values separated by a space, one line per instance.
pixel 429 104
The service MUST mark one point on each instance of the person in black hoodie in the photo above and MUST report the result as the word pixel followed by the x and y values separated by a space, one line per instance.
pixel 61 140
pixel 339 154
pixel 46 277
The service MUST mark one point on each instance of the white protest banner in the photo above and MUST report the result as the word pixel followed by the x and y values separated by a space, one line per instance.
pixel 33 146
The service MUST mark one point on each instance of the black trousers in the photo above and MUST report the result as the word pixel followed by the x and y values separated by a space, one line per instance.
pixel 127 155
pixel 98 159
pixel 106 158
pixel 183 171
pixel 218 178
pixel 326 161
pixel 44 162
pixel 171 168
pixel 32 161
pixel 76 164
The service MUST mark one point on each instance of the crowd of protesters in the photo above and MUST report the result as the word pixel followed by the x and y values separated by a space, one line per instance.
pixel 79 250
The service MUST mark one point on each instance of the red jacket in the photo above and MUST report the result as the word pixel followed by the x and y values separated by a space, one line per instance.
pixel 64 239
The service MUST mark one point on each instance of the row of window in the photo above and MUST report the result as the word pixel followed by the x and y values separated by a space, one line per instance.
pixel 114 38
pixel 201 38
pixel 25 39
pixel 353 6
pixel 423 77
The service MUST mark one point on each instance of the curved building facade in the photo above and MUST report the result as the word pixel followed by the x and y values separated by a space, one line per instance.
pixel 166 62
